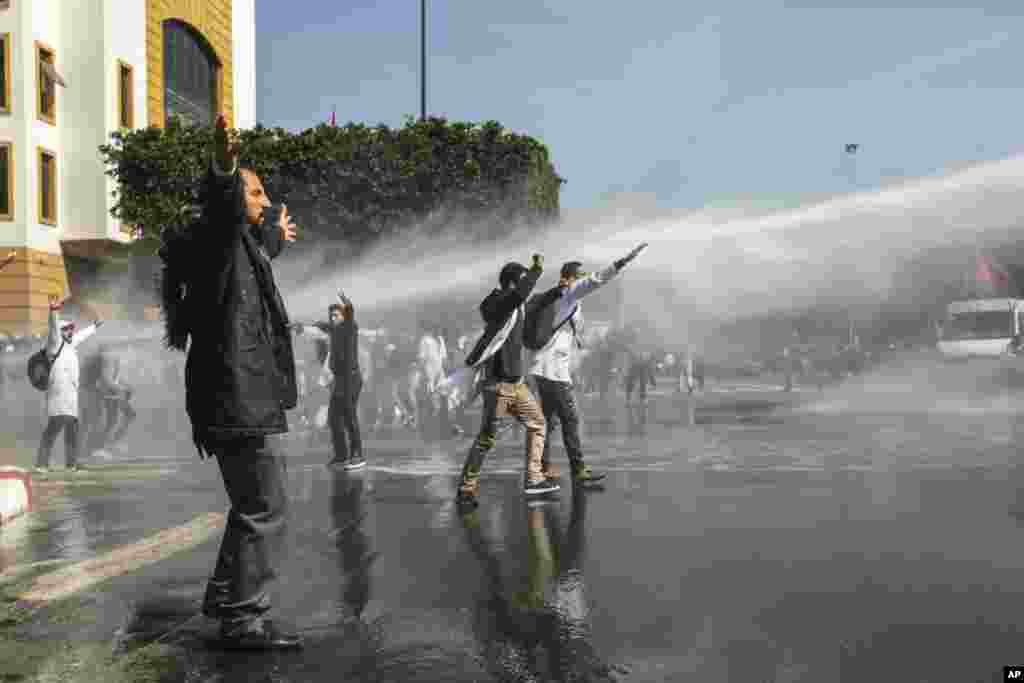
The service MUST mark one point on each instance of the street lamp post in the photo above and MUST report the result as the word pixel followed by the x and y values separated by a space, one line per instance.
pixel 423 59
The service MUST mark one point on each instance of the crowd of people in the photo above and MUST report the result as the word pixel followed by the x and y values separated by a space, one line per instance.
pixel 248 364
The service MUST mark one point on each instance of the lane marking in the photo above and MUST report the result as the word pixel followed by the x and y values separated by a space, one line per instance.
pixel 75 578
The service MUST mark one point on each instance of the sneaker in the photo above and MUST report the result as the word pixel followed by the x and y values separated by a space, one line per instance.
pixel 337 462
pixel 75 469
pixel 540 487
pixel 356 462
pixel 102 454
pixel 466 501
pixel 584 475
pixel 41 469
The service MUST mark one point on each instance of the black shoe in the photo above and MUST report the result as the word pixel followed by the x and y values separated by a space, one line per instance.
pixel 266 637
pixel 541 487
pixel 466 501
pixel 337 462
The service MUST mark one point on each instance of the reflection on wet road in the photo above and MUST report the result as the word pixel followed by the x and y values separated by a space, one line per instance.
pixel 742 541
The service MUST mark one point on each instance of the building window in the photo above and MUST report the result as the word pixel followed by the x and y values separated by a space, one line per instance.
pixel 47 187
pixel 191 74
pixel 6 181
pixel 5 73
pixel 125 95
pixel 47 82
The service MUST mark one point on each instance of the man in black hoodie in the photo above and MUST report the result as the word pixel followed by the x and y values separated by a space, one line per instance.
pixel 499 352
pixel 347 382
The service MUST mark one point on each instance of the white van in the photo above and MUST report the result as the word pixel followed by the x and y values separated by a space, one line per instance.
pixel 981 328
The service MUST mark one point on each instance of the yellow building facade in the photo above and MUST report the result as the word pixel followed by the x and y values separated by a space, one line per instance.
pixel 73 72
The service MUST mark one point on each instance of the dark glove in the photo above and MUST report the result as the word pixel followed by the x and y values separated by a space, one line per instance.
pixel 537 263
pixel 622 262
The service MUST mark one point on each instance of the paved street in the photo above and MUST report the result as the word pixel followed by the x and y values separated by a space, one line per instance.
pixel 746 534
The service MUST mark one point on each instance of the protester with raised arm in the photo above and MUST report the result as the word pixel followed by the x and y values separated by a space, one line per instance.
pixel 551 364
pixel 346 380
pixel 62 345
pixel 221 302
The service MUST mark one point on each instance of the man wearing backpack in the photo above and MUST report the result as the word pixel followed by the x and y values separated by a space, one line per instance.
pixel 62 389
pixel 559 308
pixel 498 353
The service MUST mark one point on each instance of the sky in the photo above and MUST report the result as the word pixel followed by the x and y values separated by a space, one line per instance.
pixel 706 103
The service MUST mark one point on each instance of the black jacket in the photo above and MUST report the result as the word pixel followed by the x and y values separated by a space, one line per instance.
pixel 507 363
pixel 240 373
pixel 344 353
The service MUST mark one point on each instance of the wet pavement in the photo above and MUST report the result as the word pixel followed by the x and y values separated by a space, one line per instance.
pixel 745 535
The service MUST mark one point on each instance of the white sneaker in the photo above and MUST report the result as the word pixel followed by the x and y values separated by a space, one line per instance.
pixel 102 455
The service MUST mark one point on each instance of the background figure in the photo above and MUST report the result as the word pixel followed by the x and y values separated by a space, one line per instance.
pixel 431 365
pixel 639 375
pixel 388 377
pixel 62 344
pixel 116 413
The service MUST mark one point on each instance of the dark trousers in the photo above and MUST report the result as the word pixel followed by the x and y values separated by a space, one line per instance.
pixel 557 399
pixel 255 477
pixel 343 419
pixel 53 427
pixel 637 380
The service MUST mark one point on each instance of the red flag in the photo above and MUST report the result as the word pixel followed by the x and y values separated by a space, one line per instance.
pixel 990 273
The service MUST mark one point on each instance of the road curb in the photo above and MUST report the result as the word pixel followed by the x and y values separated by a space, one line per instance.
pixel 15 493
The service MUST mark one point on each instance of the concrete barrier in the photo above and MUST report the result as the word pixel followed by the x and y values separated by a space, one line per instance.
pixel 15 493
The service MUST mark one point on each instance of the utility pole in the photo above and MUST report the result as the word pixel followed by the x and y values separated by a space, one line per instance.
pixel 423 59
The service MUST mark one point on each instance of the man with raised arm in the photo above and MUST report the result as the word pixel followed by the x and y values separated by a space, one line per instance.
pixel 346 380
pixel 551 364
pixel 62 391
pixel 499 354
pixel 219 293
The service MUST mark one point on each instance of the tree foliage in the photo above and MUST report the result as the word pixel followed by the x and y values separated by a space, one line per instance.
pixel 355 183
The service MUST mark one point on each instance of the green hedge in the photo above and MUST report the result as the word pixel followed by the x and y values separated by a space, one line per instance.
pixel 354 183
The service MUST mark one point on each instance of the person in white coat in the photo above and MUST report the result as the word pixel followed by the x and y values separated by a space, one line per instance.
pixel 551 365
pixel 62 345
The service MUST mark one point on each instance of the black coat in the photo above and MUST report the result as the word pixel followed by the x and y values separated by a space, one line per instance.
pixel 240 373
pixel 344 345
pixel 495 309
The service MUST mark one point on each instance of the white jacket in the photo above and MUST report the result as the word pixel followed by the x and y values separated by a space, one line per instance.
pixel 62 394
pixel 554 361
pixel 431 356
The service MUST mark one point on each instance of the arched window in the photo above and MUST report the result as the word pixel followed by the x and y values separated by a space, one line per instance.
pixel 190 75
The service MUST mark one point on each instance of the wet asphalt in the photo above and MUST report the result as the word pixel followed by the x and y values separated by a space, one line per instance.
pixel 742 535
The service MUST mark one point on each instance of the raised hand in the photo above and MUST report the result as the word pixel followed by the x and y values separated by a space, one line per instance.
pixel 621 263
pixel 56 303
pixel 288 229
pixel 226 144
